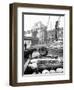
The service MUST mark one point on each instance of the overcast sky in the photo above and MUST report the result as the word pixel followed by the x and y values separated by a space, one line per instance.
pixel 30 20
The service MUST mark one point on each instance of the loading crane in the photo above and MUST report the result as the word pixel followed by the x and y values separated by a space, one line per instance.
pixel 57 27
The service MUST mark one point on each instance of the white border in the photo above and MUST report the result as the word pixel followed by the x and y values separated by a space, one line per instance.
pixel 65 76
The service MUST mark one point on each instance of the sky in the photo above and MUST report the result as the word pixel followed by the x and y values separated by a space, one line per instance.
pixel 30 20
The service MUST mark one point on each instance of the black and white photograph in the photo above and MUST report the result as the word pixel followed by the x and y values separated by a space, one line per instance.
pixel 43 43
